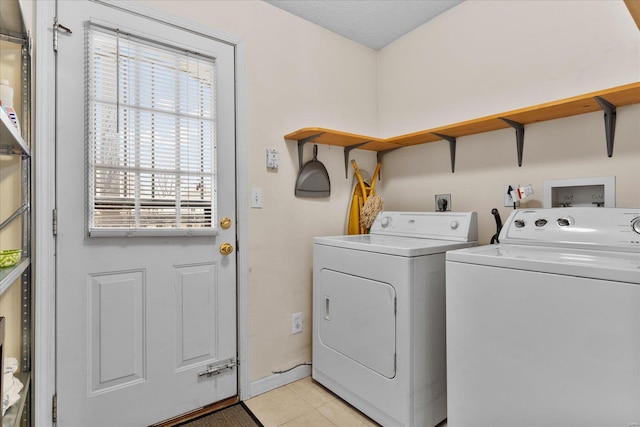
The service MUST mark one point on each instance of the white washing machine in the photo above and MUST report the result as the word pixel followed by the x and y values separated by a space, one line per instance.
pixel 378 314
pixel 543 329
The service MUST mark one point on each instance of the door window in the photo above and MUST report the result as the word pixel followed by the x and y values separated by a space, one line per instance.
pixel 151 131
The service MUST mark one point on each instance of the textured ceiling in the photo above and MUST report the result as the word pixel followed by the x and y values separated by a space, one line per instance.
pixel 373 23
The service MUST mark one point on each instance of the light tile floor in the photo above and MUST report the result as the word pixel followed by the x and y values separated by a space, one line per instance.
pixel 305 403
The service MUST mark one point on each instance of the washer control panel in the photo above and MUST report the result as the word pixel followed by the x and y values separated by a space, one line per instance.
pixel 602 228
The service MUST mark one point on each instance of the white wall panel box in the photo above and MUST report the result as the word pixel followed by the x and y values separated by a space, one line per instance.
pixel 580 192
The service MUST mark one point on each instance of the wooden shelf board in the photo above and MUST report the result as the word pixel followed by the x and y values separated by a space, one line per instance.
pixel 634 10
pixel 618 96
pixel 337 138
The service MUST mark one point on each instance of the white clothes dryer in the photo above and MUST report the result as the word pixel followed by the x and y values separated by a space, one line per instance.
pixel 543 329
pixel 378 314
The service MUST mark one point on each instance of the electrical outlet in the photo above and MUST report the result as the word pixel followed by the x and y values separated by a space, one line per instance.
pixel 443 202
pixel 296 323
pixel 508 200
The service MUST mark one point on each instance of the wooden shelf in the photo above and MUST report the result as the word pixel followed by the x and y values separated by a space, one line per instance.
pixel 340 139
pixel 618 96
pixel 587 103
pixel 634 10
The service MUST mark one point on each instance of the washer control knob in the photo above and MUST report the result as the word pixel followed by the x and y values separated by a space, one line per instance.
pixel 453 225
pixel 565 222
pixel 635 225
pixel 519 223
pixel 385 221
pixel 541 222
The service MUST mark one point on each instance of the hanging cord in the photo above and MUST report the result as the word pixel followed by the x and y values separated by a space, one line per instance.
pixel 515 203
pixel 290 369
pixel 496 215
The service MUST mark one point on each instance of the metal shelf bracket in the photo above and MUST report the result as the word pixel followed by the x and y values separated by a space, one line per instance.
pixel 519 127
pixel 347 150
pixel 301 143
pixel 609 122
pixel 380 155
pixel 452 148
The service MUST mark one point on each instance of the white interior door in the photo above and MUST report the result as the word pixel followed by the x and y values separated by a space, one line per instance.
pixel 142 313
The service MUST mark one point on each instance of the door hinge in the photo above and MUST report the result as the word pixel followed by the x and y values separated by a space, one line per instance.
pixel 54 408
pixel 56 29
pixel 55 222
pixel 216 369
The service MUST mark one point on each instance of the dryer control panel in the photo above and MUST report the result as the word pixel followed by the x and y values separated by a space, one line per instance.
pixel 456 226
pixel 615 229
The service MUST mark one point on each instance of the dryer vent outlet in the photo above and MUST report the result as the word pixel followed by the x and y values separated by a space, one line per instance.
pixel 296 323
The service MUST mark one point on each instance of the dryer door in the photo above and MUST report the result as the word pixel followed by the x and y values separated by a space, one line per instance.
pixel 358 320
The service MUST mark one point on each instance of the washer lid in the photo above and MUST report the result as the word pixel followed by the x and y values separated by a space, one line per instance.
pixel 391 245
pixel 604 265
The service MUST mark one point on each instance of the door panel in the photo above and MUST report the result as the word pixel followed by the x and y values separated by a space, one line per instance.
pixel 139 317
pixel 116 319
pixel 196 305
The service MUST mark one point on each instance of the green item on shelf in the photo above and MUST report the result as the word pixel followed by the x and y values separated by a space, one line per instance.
pixel 10 257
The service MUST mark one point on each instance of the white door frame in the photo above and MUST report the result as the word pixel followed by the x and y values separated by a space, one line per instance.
pixel 45 202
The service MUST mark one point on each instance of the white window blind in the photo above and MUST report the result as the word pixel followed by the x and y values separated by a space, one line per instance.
pixel 151 131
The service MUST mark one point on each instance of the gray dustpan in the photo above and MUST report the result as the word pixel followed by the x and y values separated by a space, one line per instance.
pixel 313 179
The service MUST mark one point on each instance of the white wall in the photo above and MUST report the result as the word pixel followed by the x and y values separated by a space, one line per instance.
pixel 486 57
pixel 480 58
pixel 298 75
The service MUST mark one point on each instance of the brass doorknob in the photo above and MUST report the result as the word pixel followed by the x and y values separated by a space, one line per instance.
pixel 226 248
pixel 225 223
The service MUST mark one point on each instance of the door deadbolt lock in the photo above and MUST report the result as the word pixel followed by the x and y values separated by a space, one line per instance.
pixel 225 223
pixel 226 248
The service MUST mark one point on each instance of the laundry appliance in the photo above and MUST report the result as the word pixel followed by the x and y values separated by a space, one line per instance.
pixel 543 329
pixel 378 314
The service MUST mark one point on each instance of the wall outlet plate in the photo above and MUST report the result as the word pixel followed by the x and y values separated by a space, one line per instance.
pixel 443 202
pixel 296 323
pixel 273 158
pixel 508 200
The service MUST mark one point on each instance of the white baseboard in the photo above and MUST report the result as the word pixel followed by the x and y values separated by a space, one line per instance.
pixel 274 381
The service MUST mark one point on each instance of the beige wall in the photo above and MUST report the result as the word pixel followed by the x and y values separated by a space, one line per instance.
pixel 298 75
pixel 479 58
pixel 486 57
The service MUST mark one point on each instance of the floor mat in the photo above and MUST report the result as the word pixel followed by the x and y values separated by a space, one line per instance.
pixel 237 415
